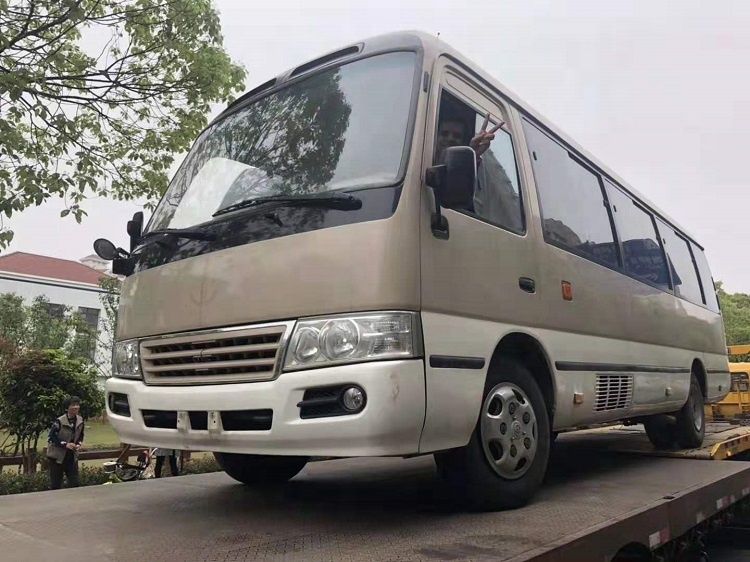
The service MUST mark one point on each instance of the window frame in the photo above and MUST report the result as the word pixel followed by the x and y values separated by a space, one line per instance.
pixel 636 203
pixel 605 203
pixel 472 105
pixel 530 120
pixel 684 239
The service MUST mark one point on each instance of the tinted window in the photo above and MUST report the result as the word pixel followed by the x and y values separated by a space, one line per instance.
pixel 642 253
pixel 497 198
pixel 571 198
pixel 705 273
pixel 684 275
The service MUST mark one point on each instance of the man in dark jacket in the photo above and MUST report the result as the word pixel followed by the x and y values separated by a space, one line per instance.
pixel 65 439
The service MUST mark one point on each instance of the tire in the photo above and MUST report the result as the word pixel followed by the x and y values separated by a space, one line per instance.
pixel 260 469
pixel 484 474
pixel 127 474
pixel 691 419
pixel 661 431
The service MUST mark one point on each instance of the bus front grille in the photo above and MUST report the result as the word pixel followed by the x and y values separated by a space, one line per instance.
pixel 243 354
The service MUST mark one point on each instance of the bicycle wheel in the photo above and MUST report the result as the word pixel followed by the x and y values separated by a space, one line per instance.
pixel 126 472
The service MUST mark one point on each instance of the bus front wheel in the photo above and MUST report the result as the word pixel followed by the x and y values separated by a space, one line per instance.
pixel 504 462
pixel 260 469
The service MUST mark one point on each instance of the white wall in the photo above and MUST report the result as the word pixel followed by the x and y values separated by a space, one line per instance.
pixel 59 292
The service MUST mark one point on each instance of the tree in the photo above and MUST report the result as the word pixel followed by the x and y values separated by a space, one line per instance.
pixel 735 308
pixel 33 387
pixel 36 326
pixel 110 300
pixel 96 96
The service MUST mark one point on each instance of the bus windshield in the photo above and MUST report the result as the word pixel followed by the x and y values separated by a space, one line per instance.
pixel 339 129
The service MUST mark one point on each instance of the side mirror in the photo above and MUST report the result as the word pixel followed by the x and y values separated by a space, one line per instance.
pixel 456 186
pixel 105 249
pixel 135 229
pixel 453 184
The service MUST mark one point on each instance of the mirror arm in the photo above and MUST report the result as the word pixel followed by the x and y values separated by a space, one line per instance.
pixel 435 178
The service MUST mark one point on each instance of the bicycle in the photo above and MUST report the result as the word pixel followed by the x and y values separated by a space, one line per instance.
pixel 126 472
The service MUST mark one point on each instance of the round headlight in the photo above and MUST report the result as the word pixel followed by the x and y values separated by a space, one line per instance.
pixel 306 347
pixel 340 338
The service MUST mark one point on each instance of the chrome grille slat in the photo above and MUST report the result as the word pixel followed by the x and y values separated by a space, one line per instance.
pixel 241 354
pixel 613 392
pixel 210 365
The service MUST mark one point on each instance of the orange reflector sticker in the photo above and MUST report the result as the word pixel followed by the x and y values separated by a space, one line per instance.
pixel 567 291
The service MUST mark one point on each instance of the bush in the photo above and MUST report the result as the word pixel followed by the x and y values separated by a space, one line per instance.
pixel 12 482
pixel 33 387
pixel 201 465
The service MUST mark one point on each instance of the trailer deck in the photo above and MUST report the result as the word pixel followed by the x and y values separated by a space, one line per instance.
pixel 377 509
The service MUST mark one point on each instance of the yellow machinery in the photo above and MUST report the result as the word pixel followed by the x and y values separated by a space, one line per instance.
pixel 736 405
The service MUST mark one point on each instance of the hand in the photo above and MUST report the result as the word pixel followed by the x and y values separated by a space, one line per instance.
pixel 79 447
pixel 70 446
pixel 481 142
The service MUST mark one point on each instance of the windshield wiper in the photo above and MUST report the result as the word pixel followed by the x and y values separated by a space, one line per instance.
pixel 189 233
pixel 341 202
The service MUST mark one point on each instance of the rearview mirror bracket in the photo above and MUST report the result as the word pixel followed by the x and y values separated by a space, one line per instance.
pixel 435 178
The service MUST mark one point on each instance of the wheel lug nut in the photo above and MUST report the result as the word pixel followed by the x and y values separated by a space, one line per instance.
pixel 513 451
pixel 503 428
pixel 512 407
pixel 526 418
pixel 527 443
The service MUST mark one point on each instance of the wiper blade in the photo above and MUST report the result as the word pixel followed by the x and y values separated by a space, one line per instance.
pixel 190 233
pixel 341 202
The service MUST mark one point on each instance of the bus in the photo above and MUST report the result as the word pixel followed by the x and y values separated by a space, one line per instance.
pixel 385 252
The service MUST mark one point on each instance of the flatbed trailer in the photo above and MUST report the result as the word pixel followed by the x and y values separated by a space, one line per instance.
pixel 597 499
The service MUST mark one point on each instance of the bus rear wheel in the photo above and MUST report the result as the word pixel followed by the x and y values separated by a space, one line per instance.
pixel 661 431
pixel 504 462
pixel 691 419
pixel 260 469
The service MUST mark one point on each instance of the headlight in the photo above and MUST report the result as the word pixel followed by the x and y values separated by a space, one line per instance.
pixel 353 338
pixel 126 361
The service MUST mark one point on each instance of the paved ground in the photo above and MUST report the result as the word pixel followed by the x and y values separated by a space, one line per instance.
pixel 354 509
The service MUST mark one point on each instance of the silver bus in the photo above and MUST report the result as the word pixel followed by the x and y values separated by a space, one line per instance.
pixel 383 251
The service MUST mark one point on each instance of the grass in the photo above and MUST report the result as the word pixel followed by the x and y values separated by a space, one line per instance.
pixel 98 435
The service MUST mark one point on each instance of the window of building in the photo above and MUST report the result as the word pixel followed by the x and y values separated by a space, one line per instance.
pixel 497 196
pixel 642 254
pixel 56 311
pixel 574 213
pixel 709 292
pixel 684 274
pixel 90 317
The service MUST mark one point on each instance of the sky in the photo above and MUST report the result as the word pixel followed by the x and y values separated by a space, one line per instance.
pixel 657 90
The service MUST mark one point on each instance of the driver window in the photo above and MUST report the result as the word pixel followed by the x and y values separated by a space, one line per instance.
pixel 497 197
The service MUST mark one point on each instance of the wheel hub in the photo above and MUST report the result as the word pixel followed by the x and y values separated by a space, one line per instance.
pixel 508 430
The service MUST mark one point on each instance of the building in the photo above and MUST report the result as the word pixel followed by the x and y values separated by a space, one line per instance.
pixel 65 283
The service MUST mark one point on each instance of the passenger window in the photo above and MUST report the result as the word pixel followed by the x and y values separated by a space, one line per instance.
pixel 684 275
pixel 642 253
pixel 573 211
pixel 497 197
pixel 709 292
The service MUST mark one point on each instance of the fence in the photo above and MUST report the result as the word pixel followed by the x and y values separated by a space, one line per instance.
pixel 96 454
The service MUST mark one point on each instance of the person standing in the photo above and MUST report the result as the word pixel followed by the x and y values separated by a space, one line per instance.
pixel 160 455
pixel 64 442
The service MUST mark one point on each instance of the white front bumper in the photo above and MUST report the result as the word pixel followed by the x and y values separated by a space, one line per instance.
pixel 390 424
